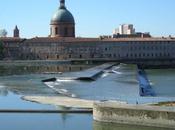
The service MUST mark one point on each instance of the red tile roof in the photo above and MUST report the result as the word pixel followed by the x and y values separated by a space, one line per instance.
pixel 83 40
pixel 11 39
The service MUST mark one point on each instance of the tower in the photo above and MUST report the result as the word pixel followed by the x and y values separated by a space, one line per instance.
pixel 16 32
pixel 62 23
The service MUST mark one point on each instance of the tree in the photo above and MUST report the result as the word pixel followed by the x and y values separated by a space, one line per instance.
pixel 1 50
pixel 3 33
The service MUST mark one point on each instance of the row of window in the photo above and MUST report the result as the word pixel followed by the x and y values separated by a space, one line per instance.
pixel 140 55
pixel 150 48
pixel 118 48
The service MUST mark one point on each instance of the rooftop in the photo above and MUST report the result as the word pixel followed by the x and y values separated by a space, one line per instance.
pixel 78 39
pixel 69 39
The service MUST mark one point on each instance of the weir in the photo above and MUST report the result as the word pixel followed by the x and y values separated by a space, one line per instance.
pixel 87 75
pixel 145 87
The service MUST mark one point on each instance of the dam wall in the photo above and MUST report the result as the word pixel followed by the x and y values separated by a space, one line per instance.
pixel 144 84
pixel 134 114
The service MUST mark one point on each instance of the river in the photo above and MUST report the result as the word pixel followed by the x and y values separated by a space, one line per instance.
pixel 121 84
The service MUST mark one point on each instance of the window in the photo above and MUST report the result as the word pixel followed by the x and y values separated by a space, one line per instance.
pixel 126 55
pixel 65 31
pixel 56 30
pixel 58 57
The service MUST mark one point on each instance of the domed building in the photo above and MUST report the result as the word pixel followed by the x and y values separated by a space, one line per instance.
pixel 62 23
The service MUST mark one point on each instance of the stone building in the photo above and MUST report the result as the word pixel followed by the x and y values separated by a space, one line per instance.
pixel 63 45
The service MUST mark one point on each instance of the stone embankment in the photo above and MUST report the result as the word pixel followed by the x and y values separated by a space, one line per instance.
pixel 134 114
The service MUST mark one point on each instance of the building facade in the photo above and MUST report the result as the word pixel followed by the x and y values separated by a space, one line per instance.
pixel 124 29
pixel 63 45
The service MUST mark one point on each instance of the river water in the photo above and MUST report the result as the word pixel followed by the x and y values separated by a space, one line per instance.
pixel 121 84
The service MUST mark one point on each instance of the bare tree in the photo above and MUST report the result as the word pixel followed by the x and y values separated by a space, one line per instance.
pixel 3 33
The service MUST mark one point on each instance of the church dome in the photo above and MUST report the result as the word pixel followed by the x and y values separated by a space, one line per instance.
pixel 62 22
pixel 62 15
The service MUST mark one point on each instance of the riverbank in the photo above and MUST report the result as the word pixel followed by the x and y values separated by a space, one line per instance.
pixel 134 114
pixel 115 111
pixel 61 101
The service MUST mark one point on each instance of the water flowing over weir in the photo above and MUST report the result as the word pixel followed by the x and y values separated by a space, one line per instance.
pixel 85 76
pixel 145 86
pixel 119 83
pixel 112 83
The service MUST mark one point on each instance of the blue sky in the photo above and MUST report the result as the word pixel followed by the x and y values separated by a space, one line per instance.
pixel 93 17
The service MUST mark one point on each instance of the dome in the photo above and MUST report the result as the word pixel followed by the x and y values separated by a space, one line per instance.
pixel 62 15
pixel 62 22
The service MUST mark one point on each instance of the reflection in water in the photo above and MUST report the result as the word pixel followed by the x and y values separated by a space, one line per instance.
pixel 110 126
pixel 64 116
pixel 31 69
pixel 162 81
pixel 26 79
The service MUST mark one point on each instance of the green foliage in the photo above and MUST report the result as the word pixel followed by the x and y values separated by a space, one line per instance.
pixel 1 50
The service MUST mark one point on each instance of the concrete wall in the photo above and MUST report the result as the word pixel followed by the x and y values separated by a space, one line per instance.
pixel 138 115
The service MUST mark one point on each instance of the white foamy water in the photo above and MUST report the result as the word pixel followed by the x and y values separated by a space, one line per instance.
pixel 54 86
pixel 65 79
pixel 2 86
pixel 104 75
pixel 116 72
